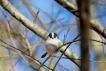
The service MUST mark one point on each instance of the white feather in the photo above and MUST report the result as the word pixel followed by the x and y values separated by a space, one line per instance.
pixel 52 45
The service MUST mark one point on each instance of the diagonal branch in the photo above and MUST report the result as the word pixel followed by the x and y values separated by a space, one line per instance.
pixel 26 22
pixel 37 63
pixel 35 28
pixel 96 27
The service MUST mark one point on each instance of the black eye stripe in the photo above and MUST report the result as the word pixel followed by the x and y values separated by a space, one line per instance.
pixel 53 35
pixel 50 35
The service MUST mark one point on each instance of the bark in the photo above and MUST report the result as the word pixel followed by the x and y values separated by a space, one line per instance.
pixel 96 27
pixel 36 29
pixel 83 6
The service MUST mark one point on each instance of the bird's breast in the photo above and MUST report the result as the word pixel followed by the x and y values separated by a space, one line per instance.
pixel 52 45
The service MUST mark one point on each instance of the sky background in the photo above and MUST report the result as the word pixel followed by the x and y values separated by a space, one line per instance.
pixel 51 11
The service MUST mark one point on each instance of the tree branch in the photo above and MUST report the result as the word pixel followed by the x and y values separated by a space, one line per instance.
pixel 26 22
pixel 35 28
pixel 96 27
pixel 83 6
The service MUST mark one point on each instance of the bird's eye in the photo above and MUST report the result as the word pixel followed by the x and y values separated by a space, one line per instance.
pixel 55 35
pixel 50 35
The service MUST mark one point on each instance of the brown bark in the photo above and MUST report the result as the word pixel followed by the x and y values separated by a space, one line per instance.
pixel 96 27
pixel 83 6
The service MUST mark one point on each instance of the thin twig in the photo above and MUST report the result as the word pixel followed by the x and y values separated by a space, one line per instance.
pixel 8 28
pixel 27 42
pixel 32 58
pixel 15 64
pixel 36 17
pixel 65 50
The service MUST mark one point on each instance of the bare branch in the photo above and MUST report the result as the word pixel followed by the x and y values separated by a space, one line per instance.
pixel 98 28
pixel 26 22
pixel 35 28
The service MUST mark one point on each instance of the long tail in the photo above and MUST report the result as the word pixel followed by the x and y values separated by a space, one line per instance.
pixel 44 55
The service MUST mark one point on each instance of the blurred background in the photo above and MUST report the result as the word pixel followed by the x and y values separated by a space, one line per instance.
pixel 52 17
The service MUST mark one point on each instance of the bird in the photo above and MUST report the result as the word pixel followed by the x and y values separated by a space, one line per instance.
pixel 52 43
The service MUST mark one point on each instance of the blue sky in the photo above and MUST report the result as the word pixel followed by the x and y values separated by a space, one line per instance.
pixel 45 8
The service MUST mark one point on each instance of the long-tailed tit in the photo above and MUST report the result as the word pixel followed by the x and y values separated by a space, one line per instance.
pixel 52 43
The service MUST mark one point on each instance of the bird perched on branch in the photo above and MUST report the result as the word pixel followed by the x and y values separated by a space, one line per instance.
pixel 52 43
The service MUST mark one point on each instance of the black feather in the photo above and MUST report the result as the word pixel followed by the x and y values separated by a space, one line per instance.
pixel 44 55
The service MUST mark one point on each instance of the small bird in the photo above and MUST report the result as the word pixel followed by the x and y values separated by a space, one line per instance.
pixel 52 43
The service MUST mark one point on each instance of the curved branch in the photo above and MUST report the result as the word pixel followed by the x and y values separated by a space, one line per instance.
pixel 35 28
pixel 26 22
pixel 73 9
pixel 37 63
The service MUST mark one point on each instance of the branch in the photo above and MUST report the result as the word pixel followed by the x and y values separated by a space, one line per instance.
pixel 36 62
pixel 35 28
pixel 83 6
pixel 96 27
pixel 26 22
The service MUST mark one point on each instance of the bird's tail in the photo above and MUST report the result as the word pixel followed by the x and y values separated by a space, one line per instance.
pixel 44 55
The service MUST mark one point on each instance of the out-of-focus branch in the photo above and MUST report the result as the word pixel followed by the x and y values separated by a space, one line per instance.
pixel 35 28
pixel 34 12
pixel 83 6
pixel 98 28
pixel 36 62
pixel 26 22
